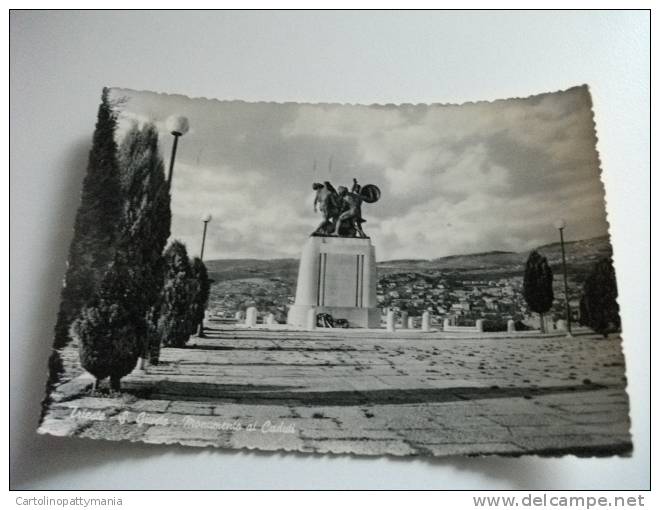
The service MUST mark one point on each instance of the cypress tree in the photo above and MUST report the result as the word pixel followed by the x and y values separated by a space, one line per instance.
pixel 598 307
pixel 154 340
pixel 97 220
pixel 107 330
pixel 146 222
pixel 537 285
pixel 92 247
pixel 175 320
pixel 200 274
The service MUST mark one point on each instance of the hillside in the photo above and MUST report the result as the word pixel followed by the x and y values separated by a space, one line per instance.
pixel 238 269
pixel 270 284
pixel 578 254
pixel 455 262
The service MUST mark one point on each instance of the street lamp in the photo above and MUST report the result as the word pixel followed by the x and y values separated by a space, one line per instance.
pixel 560 225
pixel 177 126
pixel 206 219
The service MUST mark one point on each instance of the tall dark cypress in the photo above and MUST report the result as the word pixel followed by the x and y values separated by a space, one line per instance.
pixel 147 219
pixel 96 225
pixel 175 316
pixel 92 247
pixel 200 274
pixel 537 285
pixel 113 331
pixel 598 307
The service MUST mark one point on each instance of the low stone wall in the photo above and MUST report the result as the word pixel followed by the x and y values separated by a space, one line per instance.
pixel 477 328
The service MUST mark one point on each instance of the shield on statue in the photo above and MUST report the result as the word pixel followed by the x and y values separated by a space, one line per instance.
pixel 370 193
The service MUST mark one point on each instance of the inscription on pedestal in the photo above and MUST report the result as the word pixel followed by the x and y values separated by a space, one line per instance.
pixel 341 280
pixel 337 276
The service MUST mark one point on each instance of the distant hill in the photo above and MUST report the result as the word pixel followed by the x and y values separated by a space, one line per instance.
pixel 494 259
pixel 237 269
pixel 580 256
pixel 578 253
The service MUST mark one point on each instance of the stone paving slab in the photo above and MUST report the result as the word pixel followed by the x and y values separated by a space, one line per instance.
pixel 362 447
pixel 444 450
pixel 268 442
pixel 366 394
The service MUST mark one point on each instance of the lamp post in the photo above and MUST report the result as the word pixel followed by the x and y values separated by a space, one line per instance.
pixel 206 219
pixel 560 225
pixel 178 126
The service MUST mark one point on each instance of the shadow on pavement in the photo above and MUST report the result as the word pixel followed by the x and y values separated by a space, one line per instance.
pixel 286 395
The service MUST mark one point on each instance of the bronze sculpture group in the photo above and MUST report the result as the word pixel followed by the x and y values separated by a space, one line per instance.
pixel 342 209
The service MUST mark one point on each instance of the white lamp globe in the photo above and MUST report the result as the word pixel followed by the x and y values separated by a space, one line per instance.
pixel 560 224
pixel 177 125
pixel 207 218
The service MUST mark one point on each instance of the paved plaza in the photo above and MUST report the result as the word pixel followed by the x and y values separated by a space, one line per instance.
pixel 365 392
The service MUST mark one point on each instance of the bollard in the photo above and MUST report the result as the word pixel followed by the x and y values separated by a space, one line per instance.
pixel 404 320
pixel 411 323
pixel 426 321
pixel 549 326
pixel 270 319
pixel 311 319
pixel 445 324
pixel 479 325
pixel 390 321
pixel 141 362
pixel 251 317
pixel 510 326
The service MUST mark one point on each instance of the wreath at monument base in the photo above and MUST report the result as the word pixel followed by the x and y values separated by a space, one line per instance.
pixel 325 320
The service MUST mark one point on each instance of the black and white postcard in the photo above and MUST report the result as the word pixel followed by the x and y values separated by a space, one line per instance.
pixel 409 280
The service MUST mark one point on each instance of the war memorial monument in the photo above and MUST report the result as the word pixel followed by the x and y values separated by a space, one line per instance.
pixel 337 275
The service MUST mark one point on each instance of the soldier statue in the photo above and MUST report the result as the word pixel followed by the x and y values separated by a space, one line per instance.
pixel 328 202
pixel 342 209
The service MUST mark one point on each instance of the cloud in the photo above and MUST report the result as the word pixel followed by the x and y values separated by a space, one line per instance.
pixel 248 220
pixel 454 179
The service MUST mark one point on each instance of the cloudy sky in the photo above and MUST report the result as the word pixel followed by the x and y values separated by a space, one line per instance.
pixel 454 179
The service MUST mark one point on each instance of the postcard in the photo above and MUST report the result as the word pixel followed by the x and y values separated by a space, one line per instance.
pixel 417 280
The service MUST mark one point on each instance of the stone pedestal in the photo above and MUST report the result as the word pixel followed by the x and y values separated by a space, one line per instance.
pixel 337 275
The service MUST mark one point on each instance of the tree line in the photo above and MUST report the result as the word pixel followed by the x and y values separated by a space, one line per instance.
pixel 599 309
pixel 126 293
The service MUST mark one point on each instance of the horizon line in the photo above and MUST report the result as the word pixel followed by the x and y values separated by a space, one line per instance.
pixel 427 260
